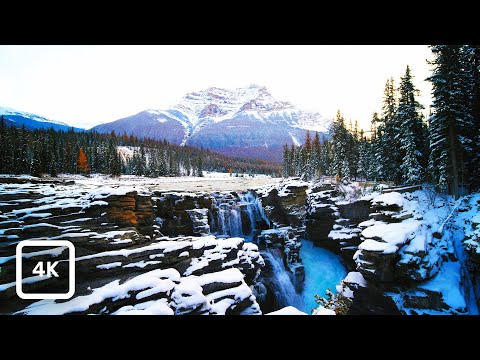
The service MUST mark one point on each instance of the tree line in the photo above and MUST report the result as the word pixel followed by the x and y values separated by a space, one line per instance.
pixel 402 146
pixel 49 151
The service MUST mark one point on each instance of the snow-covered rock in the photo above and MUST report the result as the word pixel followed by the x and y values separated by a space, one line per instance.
pixel 289 310
pixel 160 292
pixel 123 265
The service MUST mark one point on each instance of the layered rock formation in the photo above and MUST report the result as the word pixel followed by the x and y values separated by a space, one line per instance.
pixel 402 244
pixel 123 264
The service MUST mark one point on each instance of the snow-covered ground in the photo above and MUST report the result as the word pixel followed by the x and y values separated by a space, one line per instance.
pixel 212 181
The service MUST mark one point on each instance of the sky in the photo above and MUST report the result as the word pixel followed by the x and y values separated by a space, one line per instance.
pixel 87 85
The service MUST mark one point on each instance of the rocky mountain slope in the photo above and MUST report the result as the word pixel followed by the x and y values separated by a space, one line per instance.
pixel 245 122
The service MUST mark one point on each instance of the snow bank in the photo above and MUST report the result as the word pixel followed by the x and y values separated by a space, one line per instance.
pixel 160 280
pixel 395 234
pixel 354 277
pixel 388 199
pixel 289 310
pixel 322 311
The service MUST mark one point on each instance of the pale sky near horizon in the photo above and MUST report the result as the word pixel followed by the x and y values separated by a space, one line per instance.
pixel 87 85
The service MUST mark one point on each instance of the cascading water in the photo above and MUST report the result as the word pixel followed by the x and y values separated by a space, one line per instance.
pixel 238 215
pixel 229 217
pixel 281 282
pixel 254 208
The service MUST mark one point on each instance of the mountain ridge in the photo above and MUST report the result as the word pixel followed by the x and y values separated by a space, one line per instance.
pixel 241 122
pixel 33 121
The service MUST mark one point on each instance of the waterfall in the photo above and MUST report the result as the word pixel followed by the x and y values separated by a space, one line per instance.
pixel 235 223
pixel 255 208
pixel 240 215
pixel 237 215
pixel 281 282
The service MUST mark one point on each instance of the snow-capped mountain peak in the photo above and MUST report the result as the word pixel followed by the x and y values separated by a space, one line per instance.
pixel 217 104
pixel 245 122
pixel 31 121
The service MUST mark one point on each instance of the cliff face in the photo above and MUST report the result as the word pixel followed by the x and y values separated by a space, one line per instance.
pixel 405 245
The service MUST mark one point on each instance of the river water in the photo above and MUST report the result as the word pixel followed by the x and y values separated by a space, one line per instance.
pixel 323 270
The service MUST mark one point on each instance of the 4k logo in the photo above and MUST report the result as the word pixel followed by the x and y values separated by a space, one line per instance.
pixel 45 270
pixel 38 269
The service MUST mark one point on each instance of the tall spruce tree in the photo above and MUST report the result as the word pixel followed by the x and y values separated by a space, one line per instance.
pixel 36 162
pixel 307 164
pixel 378 169
pixel 364 159
pixel 22 161
pixel 409 118
pixel 285 161
pixel 353 149
pixel 451 145
pixel 316 156
pixel 390 134
pixel 340 144
pixel 471 62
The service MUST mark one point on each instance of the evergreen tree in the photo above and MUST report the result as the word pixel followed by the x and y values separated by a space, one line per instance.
pixel 36 163
pixel 292 157
pixel 299 161
pixel 353 150
pixel 162 165
pixel 11 152
pixel 22 160
pixel 52 153
pixel 390 134
pixel 200 166
pixel 48 151
pixel 53 167
pixel 326 158
pixel 316 156
pixel 471 62
pixel 451 124
pixel 411 132
pixel 307 163
pixel 285 161
pixel 364 160
pixel 340 143
pixel 378 169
